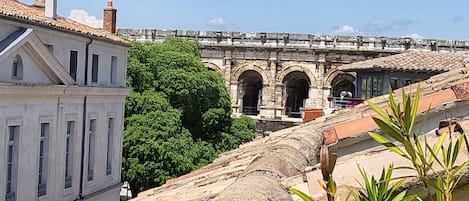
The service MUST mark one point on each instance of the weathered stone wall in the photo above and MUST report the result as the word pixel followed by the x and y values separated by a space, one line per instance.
pixel 274 56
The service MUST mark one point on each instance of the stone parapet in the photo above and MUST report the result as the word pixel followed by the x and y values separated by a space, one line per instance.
pixel 302 41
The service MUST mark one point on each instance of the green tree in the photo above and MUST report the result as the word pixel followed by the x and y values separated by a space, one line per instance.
pixel 179 116
pixel 158 148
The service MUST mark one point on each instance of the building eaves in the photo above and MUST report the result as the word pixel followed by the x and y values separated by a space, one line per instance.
pixel 418 61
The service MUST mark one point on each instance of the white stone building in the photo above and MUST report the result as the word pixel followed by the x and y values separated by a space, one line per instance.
pixel 62 91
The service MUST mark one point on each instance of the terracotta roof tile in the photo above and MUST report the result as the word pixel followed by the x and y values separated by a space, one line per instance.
pixel 14 10
pixel 256 169
pixel 412 61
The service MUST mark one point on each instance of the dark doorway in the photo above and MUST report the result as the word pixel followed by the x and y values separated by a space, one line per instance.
pixel 296 91
pixel 343 82
pixel 250 88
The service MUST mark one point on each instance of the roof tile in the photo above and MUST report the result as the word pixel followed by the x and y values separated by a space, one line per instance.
pixel 412 61
pixel 12 9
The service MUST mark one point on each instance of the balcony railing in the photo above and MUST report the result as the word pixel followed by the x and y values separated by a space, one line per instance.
pixel 343 102
pixel 247 110
pixel 295 114
pixel 42 190
pixel 68 182
pixel 10 196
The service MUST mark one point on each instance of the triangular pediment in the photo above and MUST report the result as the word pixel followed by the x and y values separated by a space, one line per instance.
pixel 38 65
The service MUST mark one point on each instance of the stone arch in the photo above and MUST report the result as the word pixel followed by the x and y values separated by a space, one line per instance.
pixel 342 82
pixel 296 87
pixel 333 74
pixel 250 89
pixel 293 68
pixel 214 67
pixel 258 69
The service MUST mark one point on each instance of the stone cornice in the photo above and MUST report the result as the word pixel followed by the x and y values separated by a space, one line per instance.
pixel 58 90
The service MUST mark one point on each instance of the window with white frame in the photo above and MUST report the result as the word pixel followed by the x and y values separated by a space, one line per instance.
pixel 113 69
pixel 91 148
pixel 12 163
pixel 110 136
pixel 69 153
pixel 43 159
pixel 17 68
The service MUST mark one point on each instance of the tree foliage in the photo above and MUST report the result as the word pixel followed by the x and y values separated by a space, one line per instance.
pixel 179 116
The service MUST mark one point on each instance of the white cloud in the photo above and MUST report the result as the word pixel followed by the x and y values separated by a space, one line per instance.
pixel 415 36
pixel 217 21
pixel 347 29
pixel 221 24
pixel 83 17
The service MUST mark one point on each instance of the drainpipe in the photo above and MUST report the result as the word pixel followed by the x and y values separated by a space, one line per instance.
pixel 85 100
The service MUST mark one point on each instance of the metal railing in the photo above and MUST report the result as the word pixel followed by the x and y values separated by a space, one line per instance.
pixel 10 196
pixel 295 114
pixel 343 102
pixel 68 182
pixel 42 190
pixel 248 110
pixel 108 170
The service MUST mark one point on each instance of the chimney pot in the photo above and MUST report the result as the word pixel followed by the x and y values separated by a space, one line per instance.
pixel 39 4
pixel 109 19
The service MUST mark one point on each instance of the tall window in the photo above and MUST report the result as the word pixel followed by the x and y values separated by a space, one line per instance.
pixel 371 86
pixel 73 64
pixel 394 82
pixel 69 154
pixel 43 158
pixel 17 69
pixel 110 135
pixel 94 69
pixel 113 69
pixel 10 193
pixel 91 137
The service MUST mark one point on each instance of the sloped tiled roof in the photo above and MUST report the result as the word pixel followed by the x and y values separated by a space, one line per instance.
pixel 15 10
pixel 412 61
pixel 265 168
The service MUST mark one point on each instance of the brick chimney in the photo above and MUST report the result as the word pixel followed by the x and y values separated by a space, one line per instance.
pixel 109 21
pixel 51 9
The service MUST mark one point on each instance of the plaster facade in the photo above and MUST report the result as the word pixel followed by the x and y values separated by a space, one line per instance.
pixel 288 72
pixel 47 149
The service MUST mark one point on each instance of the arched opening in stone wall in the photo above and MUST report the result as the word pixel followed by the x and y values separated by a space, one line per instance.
pixel 343 83
pixel 250 91
pixel 296 87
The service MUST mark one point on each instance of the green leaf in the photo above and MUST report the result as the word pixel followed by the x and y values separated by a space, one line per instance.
pixel 391 131
pixel 378 110
pixel 384 141
pixel 302 195
pixel 432 184
pixel 415 105
pixel 400 196
pixel 434 155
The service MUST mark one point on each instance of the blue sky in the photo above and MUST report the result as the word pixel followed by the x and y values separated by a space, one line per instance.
pixel 416 18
